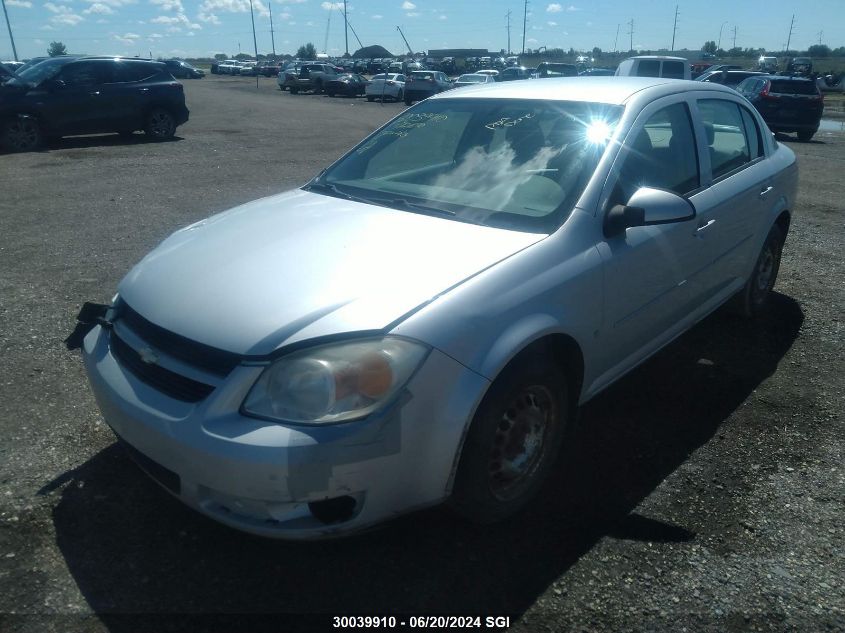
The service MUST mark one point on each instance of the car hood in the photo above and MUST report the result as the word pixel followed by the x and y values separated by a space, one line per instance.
pixel 301 265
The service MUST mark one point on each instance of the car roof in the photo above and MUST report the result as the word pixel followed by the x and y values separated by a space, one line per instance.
pixel 663 57
pixel 609 90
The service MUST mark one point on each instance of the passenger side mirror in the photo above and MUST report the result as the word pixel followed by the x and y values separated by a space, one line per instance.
pixel 648 207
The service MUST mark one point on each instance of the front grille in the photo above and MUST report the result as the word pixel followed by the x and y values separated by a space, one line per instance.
pixel 162 475
pixel 198 355
pixel 170 383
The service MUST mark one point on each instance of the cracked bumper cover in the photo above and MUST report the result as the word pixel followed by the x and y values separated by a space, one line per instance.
pixel 260 476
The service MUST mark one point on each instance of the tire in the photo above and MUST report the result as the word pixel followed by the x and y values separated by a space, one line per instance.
pixel 513 441
pixel 330 94
pixel 294 91
pixel 408 101
pixel 160 124
pixel 370 99
pixel 805 135
pixel 21 134
pixel 400 95
pixel 318 87
pixel 752 299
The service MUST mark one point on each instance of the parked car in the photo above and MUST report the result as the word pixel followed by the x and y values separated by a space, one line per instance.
pixel 551 69
pixel 437 303
pixel 597 72
pixel 183 70
pixel 249 69
pixel 311 76
pixel 386 85
pixel 473 79
pixel 290 68
pixel 787 104
pixel 514 73
pixel 729 78
pixel 800 66
pixel 768 64
pixel 89 95
pixel 492 72
pixel 5 74
pixel 229 67
pixel 31 62
pixel 12 66
pixel 655 66
pixel 421 84
pixel 347 85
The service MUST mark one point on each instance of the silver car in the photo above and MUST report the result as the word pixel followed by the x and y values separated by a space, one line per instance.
pixel 420 322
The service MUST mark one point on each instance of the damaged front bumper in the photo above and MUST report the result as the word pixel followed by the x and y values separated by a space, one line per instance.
pixel 289 481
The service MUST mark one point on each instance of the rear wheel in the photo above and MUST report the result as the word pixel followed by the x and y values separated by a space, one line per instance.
pixel 751 300
pixel 21 134
pixel 331 93
pixel 806 135
pixel 160 124
pixel 400 95
pixel 293 90
pixel 513 440
pixel 370 99
pixel 408 100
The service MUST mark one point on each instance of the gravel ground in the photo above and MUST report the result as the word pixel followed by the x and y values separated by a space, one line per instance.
pixel 705 492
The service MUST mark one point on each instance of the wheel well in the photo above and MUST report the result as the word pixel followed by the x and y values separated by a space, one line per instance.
pixel 564 350
pixel 783 222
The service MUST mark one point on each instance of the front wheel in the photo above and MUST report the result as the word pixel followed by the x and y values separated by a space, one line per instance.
pixel 408 101
pixel 513 441
pixel 400 96
pixel 160 124
pixel 21 134
pixel 751 300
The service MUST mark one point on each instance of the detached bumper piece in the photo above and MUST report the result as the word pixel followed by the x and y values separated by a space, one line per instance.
pixel 90 315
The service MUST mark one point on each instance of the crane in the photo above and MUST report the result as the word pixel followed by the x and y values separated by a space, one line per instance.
pixel 410 52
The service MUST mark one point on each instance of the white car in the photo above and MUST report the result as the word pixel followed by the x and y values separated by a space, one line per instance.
pixel 472 79
pixel 386 85
pixel 420 322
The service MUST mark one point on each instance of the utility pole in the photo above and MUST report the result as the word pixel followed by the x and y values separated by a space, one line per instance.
pixel 820 33
pixel 719 43
pixel 616 41
pixel 272 34
pixel 631 33
pixel 734 29
pixel 9 24
pixel 254 40
pixel 675 27
pixel 524 22
pixel 508 15
pixel 345 28
pixel 789 39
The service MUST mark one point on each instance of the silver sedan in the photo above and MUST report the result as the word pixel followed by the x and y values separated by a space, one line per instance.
pixel 420 322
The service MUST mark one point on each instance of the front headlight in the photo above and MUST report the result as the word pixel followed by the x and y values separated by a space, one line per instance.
pixel 334 383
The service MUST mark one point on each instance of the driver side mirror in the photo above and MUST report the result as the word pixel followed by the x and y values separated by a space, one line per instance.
pixel 647 207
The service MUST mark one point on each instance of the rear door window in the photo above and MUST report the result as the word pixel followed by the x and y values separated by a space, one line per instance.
pixel 793 87
pixel 86 73
pixel 649 68
pixel 726 136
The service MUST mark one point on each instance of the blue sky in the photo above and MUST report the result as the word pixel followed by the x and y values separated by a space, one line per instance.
pixel 193 28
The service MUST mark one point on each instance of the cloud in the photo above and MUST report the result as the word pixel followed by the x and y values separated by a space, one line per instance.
pixel 376 16
pixel 572 8
pixel 413 14
pixel 63 15
pixel 128 39
pixel 442 17
pixel 328 6
pixel 23 4
pixel 100 9
pixel 550 23
pixel 554 7
pixel 169 5
pixel 181 20
pixel 408 6
pixel 231 6
pixel 209 18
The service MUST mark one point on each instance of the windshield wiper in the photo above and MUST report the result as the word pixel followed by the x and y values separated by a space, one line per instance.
pixel 332 190
pixel 404 203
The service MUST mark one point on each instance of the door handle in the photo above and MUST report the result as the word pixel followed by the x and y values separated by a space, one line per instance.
pixel 143 89
pixel 95 93
pixel 701 229
pixel 765 192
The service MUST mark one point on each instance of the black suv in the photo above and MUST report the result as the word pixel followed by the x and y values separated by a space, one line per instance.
pixel 787 104
pixel 65 96
pixel 183 70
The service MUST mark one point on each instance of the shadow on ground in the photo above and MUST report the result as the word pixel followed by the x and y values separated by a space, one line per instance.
pixel 133 549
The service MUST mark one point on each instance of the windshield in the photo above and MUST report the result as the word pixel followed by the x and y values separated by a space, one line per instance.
pixel 508 163
pixel 44 70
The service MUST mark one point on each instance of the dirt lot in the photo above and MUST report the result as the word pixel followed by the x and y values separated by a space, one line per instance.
pixel 706 492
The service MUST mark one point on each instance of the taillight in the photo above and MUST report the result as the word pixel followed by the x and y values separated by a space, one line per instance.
pixel 764 93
